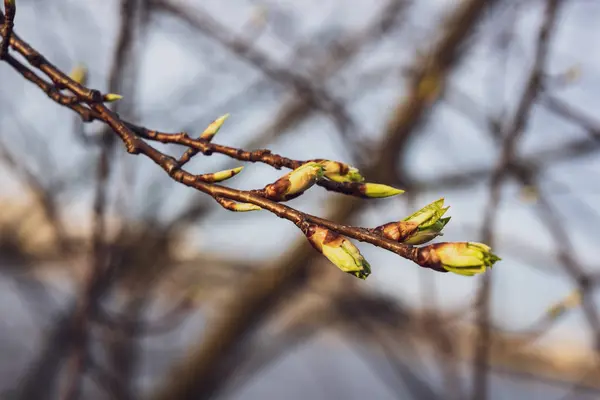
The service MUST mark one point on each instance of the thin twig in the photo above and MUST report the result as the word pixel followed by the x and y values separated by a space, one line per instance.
pixel 7 26
pixel 135 145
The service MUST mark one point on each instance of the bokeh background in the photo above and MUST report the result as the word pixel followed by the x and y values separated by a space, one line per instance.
pixel 489 104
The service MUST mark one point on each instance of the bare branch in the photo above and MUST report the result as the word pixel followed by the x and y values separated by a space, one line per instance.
pixel 509 145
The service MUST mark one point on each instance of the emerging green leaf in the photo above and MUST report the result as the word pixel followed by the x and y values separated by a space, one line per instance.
pixel 422 236
pixel 429 214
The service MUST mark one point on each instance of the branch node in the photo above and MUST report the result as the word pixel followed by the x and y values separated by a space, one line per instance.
pixel 132 148
pixel 170 164
pixel 95 96
pixel 35 59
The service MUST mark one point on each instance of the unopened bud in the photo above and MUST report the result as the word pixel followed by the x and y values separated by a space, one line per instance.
pixel 110 97
pixel 235 206
pixel 340 172
pixel 245 207
pixel 212 129
pixel 294 183
pixel 221 175
pixel 463 258
pixel 339 250
pixel 377 190
pixel 79 74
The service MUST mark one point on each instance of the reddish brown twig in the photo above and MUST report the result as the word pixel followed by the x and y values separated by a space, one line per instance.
pixel 194 145
pixel 7 26
pixel 135 145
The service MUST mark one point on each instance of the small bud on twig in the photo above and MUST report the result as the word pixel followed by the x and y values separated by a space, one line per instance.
pixel 377 190
pixel 220 176
pixel 236 207
pixel 213 128
pixel 294 183
pixel 79 74
pixel 110 97
pixel 208 134
pixel 340 172
pixel 339 250
pixel 463 258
